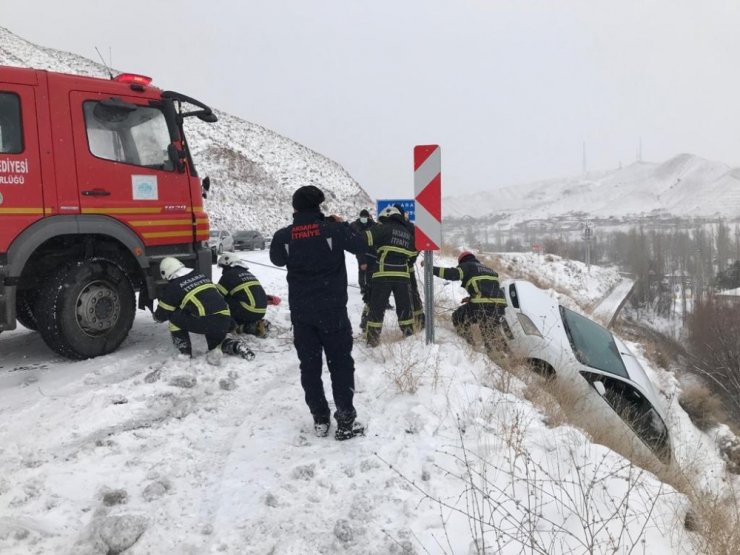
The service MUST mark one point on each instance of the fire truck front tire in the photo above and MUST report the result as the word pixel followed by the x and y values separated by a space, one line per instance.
pixel 24 302
pixel 86 309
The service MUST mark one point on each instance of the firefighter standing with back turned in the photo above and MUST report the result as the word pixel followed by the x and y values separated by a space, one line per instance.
pixel 313 249
pixel 394 246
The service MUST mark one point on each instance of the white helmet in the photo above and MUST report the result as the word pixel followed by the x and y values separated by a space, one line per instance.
pixel 389 211
pixel 230 259
pixel 169 267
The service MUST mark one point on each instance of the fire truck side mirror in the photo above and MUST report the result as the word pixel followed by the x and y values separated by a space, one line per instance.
pixel 176 155
pixel 206 185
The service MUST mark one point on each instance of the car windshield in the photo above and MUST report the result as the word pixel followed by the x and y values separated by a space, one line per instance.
pixel 213 233
pixel 593 345
pixel 244 234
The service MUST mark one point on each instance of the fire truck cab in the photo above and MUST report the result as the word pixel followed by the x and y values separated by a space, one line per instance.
pixel 97 185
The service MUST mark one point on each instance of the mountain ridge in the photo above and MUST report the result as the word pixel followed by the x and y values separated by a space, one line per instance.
pixel 685 185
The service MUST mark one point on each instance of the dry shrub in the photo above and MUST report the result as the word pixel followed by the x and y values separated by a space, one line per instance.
pixel 716 520
pixel 406 364
pixel 703 407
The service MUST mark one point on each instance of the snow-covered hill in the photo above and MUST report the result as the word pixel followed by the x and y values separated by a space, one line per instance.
pixel 253 170
pixel 684 186
pixel 141 452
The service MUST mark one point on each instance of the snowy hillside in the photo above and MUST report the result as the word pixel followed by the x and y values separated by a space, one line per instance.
pixel 685 186
pixel 253 170
pixel 141 452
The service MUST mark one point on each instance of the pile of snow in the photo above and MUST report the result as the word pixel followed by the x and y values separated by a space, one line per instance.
pixel 253 170
pixel 166 454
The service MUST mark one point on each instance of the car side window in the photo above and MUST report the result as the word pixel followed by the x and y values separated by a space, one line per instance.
pixel 634 408
pixel 11 130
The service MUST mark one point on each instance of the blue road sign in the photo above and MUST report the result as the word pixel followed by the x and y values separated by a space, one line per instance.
pixel 409 205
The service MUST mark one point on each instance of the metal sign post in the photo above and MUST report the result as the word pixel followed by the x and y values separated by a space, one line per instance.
pixel 428 196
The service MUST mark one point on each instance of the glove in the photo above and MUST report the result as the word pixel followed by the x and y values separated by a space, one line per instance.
pixel 273 300
pixel 465 300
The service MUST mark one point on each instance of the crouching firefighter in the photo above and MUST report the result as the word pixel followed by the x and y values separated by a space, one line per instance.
pixel 485 304
pixel 245 296
pixel 192 303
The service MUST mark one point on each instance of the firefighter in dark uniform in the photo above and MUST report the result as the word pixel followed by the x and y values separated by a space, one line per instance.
pixel 394 246
pixel 191 303
pixel 485 304
pixel 360 225
pixel 245 295
pixel 313 249
pixel 418 306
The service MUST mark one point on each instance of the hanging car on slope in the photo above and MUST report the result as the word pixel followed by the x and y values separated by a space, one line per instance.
pixel 557 340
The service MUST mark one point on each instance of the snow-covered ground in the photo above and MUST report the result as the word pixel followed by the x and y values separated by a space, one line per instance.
pixel 190 459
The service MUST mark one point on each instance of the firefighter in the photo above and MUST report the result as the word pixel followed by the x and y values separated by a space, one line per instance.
pixel 360 225
pixel 313 249
pixel 245 296
pixel 394 246
pixel 418 306
pixel 485 304
pixel 192 303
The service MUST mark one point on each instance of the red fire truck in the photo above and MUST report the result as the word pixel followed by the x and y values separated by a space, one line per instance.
pixel 97 185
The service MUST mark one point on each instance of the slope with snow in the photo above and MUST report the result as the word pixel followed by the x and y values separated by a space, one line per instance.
pixel 143 450
pixel 253 170
pixel 684 186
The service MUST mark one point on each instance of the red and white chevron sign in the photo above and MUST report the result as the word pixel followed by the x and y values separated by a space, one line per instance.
pixel 428 194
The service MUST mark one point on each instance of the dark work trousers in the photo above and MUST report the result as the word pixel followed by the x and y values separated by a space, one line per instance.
pixel 380 291
pixel 362 281
pixel 214 327
pixel 419 317
pixel 487 316
pixel 329 332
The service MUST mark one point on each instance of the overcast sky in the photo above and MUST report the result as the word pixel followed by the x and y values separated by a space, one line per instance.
pixel 511 90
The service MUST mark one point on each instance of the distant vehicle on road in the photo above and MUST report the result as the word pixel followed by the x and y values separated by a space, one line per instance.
pixel 249 239
pixel 220 241
pixel 559 341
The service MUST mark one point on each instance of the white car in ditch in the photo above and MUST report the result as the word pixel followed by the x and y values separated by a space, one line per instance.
pixel 559 341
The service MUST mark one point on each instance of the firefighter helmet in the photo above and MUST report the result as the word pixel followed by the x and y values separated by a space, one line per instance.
pixel 463 255
pixel 389 211
pixel 169 267
pixel 230 259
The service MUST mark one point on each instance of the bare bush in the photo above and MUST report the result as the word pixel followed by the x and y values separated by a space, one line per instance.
pixel 407 364
pixel 567 503
pixel 703 407
pixel 714 336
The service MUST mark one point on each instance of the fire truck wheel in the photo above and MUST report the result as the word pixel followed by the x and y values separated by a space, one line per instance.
pixel 86 309
pixel 24 301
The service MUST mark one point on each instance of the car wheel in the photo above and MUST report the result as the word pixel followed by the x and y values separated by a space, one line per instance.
pixel 262 246
pixel 86 309
pixel 24 301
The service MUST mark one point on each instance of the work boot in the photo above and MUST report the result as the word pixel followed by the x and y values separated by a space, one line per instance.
pixel 243 351
pixel 181 341
pixel 214 357
pixel 348 430
pixel 262 328
pixel 321 425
